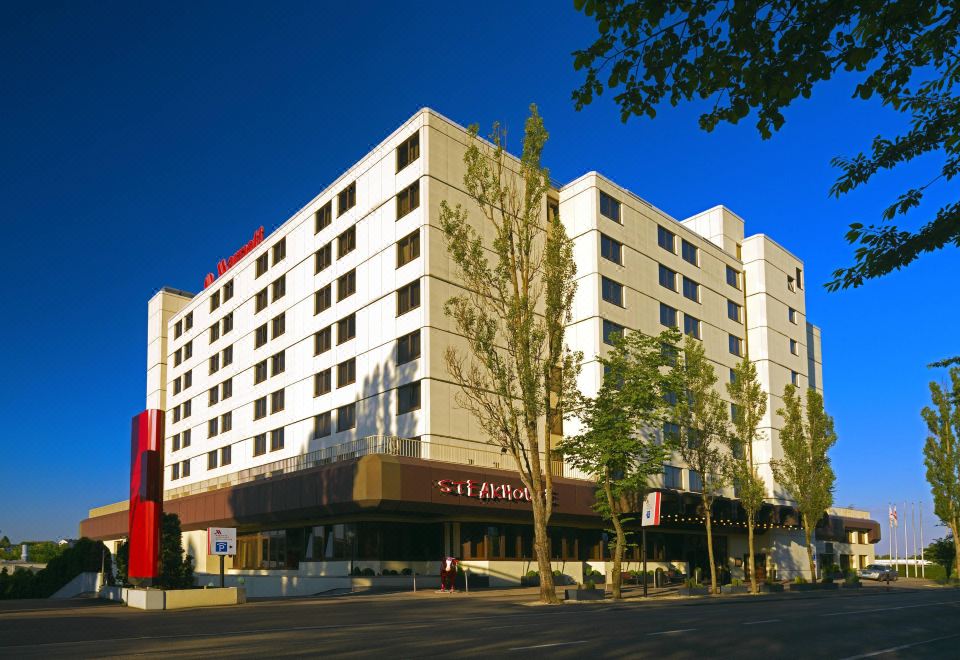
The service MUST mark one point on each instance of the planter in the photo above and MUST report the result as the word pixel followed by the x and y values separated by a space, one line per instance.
pixel 693 591
pixel 530 581
pixel 735 589
pixel 583 594
pixel 775 588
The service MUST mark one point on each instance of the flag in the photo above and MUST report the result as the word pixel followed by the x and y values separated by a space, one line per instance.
pixel 893 516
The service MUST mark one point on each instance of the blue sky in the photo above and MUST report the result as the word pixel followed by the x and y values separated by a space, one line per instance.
pixel 140 144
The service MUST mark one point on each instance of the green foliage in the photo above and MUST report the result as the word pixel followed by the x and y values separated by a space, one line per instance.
pixel 84 556
pixel 941 451
pixel 123 562
pixel 752 56
pixel 944 553
pixel 805 470
pixel 517 376
pixel 176 569
pixel 799 580
pixel 533 574
pixel 589 584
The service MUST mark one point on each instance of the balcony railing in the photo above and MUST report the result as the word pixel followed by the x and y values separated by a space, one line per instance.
pixel 375 444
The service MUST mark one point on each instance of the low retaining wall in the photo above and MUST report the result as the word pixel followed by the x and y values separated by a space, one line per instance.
pixel 174 599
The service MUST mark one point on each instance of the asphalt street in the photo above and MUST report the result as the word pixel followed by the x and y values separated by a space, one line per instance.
pixel 904 623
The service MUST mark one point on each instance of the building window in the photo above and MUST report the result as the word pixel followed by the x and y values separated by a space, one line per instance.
pixel 347 285
pixel 795 379
pixel 733 311
pixel 260 301
pixel 213 396
pixel 176 414
pixel 408 199
pixel 347 242
pixel 177 329
pixel 408 347
pixel 260 444
pixel 610 330
pixel 176 441
pixel 408 398
pixel 609 207
pixel 276 439
pixel 280 250
pixel 346 328
pixel 735 345
pixel 691 326
pixel 187 435
pixel 263 263
pixel 322 383
pixel 260 408
pixel 611 250
pixel 174 471
pixel 408 248
pixel 322 341
pixel 188 321
pixel 408 151
pixel 691 289
pixel 226 389
pixel 668 278
pixel 279 325
pixel 227 323
pixel 322 299
pixel 792 315
pixel 799 279
pixel 672 477
pixel 228 355
pixel 733 277
pixel 611 291
pixel 321 425
pixel 228 291
pixel 187 408
pixel 346 417
pixel 214 301
pixel 347 199
pixel 279 288
pixel 347 372
pixel 671 432
pixel 323 217
pixel 188 350
pixel 259 372
pixel 666 239
pixel 214 361
pixel 214 332
pixel 187 379
pixel 689 252
pixel 213 427
pixel 185 468
pixel 733 375
pixel 276 401
pixel 260 336
pixel 323 258
pixel 668 316
pixel 794 347
pixel 226 421
pixel 225 455
pixel 696 482
pixel 790 284
pixel 177 357
pixel 177 384
pixel 212 460
pixel 408 297
pixel 278 363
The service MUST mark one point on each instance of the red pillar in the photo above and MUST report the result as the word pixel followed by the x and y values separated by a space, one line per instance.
pixel 146 496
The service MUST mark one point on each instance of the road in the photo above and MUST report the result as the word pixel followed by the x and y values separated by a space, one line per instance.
pixel 914 623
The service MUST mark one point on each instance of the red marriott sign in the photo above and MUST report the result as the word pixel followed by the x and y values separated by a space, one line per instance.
pixel 226 264
pixel 483 490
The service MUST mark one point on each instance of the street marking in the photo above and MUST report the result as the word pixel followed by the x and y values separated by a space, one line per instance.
pixel 516 625
pixel 671 632
pixel 545 646
pixel 753 623
pixel 894 649
pixel 888 609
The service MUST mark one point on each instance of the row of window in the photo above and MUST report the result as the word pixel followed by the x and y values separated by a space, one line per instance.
pixel 183 325
pixel 668 317
pixel 226 291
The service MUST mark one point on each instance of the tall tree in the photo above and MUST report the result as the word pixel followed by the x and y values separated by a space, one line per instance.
pixel 941 451
pixel 944 553
pixel 750 405
pixel 805 470
pixel 761 56
pixel 176 568
pixel 618 444
pixel 518 375
pixel 701 414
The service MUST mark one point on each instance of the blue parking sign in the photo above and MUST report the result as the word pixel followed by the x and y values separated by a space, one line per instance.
pixel 221 546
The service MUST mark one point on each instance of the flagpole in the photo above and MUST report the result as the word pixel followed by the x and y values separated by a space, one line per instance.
pixel 923 566
pixel 916 551
pixel 896 543
pixel 906 546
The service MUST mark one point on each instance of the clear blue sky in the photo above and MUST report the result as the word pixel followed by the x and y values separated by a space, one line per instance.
pixel 140 144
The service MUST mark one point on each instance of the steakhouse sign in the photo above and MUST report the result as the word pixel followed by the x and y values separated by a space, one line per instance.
pixel 483 490
pixel 226 264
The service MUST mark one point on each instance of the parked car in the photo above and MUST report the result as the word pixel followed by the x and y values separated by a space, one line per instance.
pixel 877 572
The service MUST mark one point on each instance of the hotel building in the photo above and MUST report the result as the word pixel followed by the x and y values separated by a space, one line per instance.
pixel 307 402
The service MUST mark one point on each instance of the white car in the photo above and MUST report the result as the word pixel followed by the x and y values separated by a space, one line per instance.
pixel 877 572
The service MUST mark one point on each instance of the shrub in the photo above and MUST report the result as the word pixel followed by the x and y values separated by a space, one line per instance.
pixel 692 582
pixel 589 584
pixel 176 569
pixel 533 574
pixel 557 574
pixel 736 582
pixel 799 580
pixel 406 571
pixel 827 579
pixel 367 572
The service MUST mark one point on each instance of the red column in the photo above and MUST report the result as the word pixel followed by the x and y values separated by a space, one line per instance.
pixel 146 495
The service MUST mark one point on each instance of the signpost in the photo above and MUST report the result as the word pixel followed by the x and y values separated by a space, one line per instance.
pixel 650 515
pixel 222 541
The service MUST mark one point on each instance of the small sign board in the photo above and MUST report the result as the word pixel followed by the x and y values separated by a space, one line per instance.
pixel 651 510
pixel 222 541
